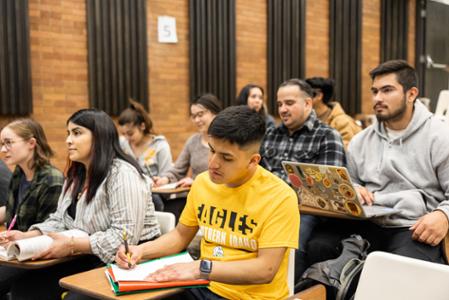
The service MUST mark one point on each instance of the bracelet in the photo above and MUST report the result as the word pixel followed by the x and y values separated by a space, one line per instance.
pixel 72 246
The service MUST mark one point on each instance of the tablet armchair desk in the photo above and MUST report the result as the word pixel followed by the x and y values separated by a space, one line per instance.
pixel 307 210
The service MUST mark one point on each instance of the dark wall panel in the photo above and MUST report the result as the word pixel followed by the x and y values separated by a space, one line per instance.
pixel 212 49
pixel 117 50
pixel 15 66
pixel 286 44
pixel 345 52
pixel 394 29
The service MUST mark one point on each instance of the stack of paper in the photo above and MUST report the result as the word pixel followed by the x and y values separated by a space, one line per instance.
pixel 125 281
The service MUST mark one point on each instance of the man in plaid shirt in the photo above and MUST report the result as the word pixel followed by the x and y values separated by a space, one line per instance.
pixel 303 138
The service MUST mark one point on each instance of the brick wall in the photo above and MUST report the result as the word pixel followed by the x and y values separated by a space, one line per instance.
pixel 317 38
pixel 370 48
pixel 59 60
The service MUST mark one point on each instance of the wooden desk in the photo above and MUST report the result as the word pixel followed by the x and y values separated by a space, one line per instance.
pixel 180 192
pixel 34 264
pixel 93 283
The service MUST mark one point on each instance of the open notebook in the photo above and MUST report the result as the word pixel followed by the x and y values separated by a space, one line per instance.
pixel 330 188
pixel 131 281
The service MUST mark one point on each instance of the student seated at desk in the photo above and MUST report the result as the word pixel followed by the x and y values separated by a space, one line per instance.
pixel 401 161
pixel 35 185
pixel 151 151
pixel 105 193
pixel 252 95
pixel 249 217
pixel 194 154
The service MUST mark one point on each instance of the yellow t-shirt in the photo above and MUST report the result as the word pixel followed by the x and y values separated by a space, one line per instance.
pixel 236 222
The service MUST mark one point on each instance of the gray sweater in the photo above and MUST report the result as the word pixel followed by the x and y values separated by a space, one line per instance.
pixel 410 173
pixel 194 155
pixel 156 159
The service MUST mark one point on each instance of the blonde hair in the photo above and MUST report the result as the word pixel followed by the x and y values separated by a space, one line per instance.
pixel 28 129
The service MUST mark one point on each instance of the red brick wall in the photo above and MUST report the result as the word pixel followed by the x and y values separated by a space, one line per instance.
pixel 317 38
pixel 59 60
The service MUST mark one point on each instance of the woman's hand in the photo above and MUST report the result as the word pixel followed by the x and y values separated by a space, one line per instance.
pixel 185 182
pixel 158 181
pixel 14 235
pixel 60 247
pixel 128 261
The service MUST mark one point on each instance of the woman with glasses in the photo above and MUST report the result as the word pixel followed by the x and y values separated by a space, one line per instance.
pixel 35 185
pixel 105 194
pixel 196 150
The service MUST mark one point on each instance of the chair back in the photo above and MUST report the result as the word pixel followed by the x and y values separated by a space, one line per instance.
pixel 388 276
pixel 442 109
pixel 166 221
pixel 291 272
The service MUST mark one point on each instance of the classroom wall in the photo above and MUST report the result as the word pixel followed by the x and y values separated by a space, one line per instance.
pixel 58 37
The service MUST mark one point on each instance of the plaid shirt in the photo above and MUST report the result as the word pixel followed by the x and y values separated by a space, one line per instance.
pixel 39 200
pixel 314 143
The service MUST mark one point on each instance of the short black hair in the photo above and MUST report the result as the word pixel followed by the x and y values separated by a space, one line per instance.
pixel 325 85
pixel 405 74
pixel 303 86
pixel 239 125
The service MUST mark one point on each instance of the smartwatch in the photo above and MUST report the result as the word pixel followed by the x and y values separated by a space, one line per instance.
pixel 205 268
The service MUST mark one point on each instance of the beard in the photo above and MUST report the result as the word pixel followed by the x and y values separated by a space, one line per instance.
pixel 394 115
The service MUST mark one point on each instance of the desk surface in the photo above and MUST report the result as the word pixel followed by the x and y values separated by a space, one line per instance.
pixel 34 264
pixel 93 283
pixel 171 191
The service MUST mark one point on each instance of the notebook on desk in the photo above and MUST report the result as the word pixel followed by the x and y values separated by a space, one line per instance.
pixel 330 188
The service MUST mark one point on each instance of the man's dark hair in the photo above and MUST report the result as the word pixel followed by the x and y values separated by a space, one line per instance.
pixel 325 85
pixel 405 74
pixel 303 86
pixel 239 125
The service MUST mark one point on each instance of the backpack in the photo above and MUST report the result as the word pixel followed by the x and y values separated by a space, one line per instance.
pixel 340 275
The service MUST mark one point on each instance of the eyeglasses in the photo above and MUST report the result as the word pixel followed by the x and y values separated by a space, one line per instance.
pixel 8 143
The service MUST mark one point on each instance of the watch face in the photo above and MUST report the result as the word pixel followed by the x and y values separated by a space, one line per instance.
pixel 205 266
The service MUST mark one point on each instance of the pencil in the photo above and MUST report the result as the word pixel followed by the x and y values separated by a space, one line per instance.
pixel 13 222
pixel 125 241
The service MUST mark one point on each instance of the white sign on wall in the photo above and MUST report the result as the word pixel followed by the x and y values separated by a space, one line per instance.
pixel 166 28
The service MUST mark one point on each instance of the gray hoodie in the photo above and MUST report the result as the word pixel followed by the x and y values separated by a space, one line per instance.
pixel 410 173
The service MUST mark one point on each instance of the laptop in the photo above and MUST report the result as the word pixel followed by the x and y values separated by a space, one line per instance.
pixel 330 188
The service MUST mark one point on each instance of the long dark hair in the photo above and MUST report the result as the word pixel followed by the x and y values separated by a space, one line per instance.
pixel 105 148
pixel 136 114
pixel 242 98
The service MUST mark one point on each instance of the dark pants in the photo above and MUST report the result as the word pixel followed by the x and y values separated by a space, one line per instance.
pixel 196 294
pixel 307 225
pixel 43 283
pixel 325 242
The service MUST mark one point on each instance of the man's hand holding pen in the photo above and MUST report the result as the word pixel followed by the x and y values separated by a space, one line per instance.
pixel 128 259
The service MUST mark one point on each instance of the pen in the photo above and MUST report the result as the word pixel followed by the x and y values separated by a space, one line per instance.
pixel 13 222
pixel 125 241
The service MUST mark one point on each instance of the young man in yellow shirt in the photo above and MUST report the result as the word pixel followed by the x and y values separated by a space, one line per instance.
pixel 249 218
